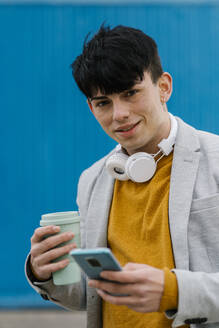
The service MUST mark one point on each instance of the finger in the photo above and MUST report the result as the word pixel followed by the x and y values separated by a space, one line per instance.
pixel 46 270
pixel 117 300
pixel 114 288
pixel 51 242
pixel 54 241
pixel 134 266
pixel 53 254
pixel 41 232
pixel 125 277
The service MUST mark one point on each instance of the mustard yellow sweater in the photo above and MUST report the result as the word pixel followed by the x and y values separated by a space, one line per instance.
pixel 138 231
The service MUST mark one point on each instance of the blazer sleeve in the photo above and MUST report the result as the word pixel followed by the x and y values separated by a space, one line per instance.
pixel 71 297
pixel 198 298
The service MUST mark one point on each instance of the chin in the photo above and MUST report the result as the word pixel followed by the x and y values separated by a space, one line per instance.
pixel 132 150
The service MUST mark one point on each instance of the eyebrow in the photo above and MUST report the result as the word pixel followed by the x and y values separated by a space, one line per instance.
pixel 105 97
pixel 97 98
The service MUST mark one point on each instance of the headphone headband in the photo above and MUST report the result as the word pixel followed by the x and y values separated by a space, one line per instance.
pixel 140 167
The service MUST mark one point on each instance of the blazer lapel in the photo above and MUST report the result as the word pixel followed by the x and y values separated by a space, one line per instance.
pixel 183 175
pixel 97 220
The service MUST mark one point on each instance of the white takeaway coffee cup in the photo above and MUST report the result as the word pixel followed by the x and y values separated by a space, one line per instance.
pixel 67 221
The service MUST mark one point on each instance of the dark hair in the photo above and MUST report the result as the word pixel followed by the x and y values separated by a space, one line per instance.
pixel 114 60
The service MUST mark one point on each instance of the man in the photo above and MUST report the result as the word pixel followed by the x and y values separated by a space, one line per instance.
pixel 154 200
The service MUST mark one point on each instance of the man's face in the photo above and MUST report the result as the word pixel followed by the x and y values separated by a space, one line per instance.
pixel 136 118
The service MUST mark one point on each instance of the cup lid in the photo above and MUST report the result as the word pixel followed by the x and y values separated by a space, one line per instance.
pixel 59 218
pixel 56 215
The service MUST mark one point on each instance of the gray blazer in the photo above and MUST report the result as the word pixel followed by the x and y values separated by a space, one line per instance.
pixel 194 228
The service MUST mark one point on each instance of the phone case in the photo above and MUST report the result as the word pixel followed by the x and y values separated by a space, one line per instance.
pixel 93 261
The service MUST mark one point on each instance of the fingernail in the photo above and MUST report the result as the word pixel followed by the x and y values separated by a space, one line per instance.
pixel 56 228
pixel 103 275
pixel 99 292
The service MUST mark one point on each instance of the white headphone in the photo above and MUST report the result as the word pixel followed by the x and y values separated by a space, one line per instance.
pixel 140 167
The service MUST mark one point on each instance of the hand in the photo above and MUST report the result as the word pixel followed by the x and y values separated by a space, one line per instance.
pixel 143 285
pixel 43 251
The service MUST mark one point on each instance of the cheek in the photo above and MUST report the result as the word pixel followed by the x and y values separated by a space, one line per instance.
pixel 104 121
pixel 144 109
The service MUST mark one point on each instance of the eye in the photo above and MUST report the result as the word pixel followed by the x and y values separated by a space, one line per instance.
pixel 130 93
pixel 102 103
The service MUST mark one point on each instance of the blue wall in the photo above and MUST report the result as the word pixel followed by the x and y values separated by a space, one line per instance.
pixel 48 136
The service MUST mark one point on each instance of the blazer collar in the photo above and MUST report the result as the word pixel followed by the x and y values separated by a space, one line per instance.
pixel 183 175
pixel 99 208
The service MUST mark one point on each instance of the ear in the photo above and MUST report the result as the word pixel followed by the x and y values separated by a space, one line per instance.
pixel 165 86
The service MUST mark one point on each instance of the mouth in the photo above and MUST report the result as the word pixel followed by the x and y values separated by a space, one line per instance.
pixel 127 130
pixel 126 127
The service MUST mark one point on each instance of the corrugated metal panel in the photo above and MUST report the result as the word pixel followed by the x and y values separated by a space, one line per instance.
pixel 47 135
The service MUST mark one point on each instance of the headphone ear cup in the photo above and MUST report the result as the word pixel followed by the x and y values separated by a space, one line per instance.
pixel 140 167
pixel 115 165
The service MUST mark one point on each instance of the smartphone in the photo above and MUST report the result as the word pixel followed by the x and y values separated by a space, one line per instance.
pixel 94 260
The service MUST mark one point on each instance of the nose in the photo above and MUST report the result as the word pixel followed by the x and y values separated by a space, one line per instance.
pixel 120 111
